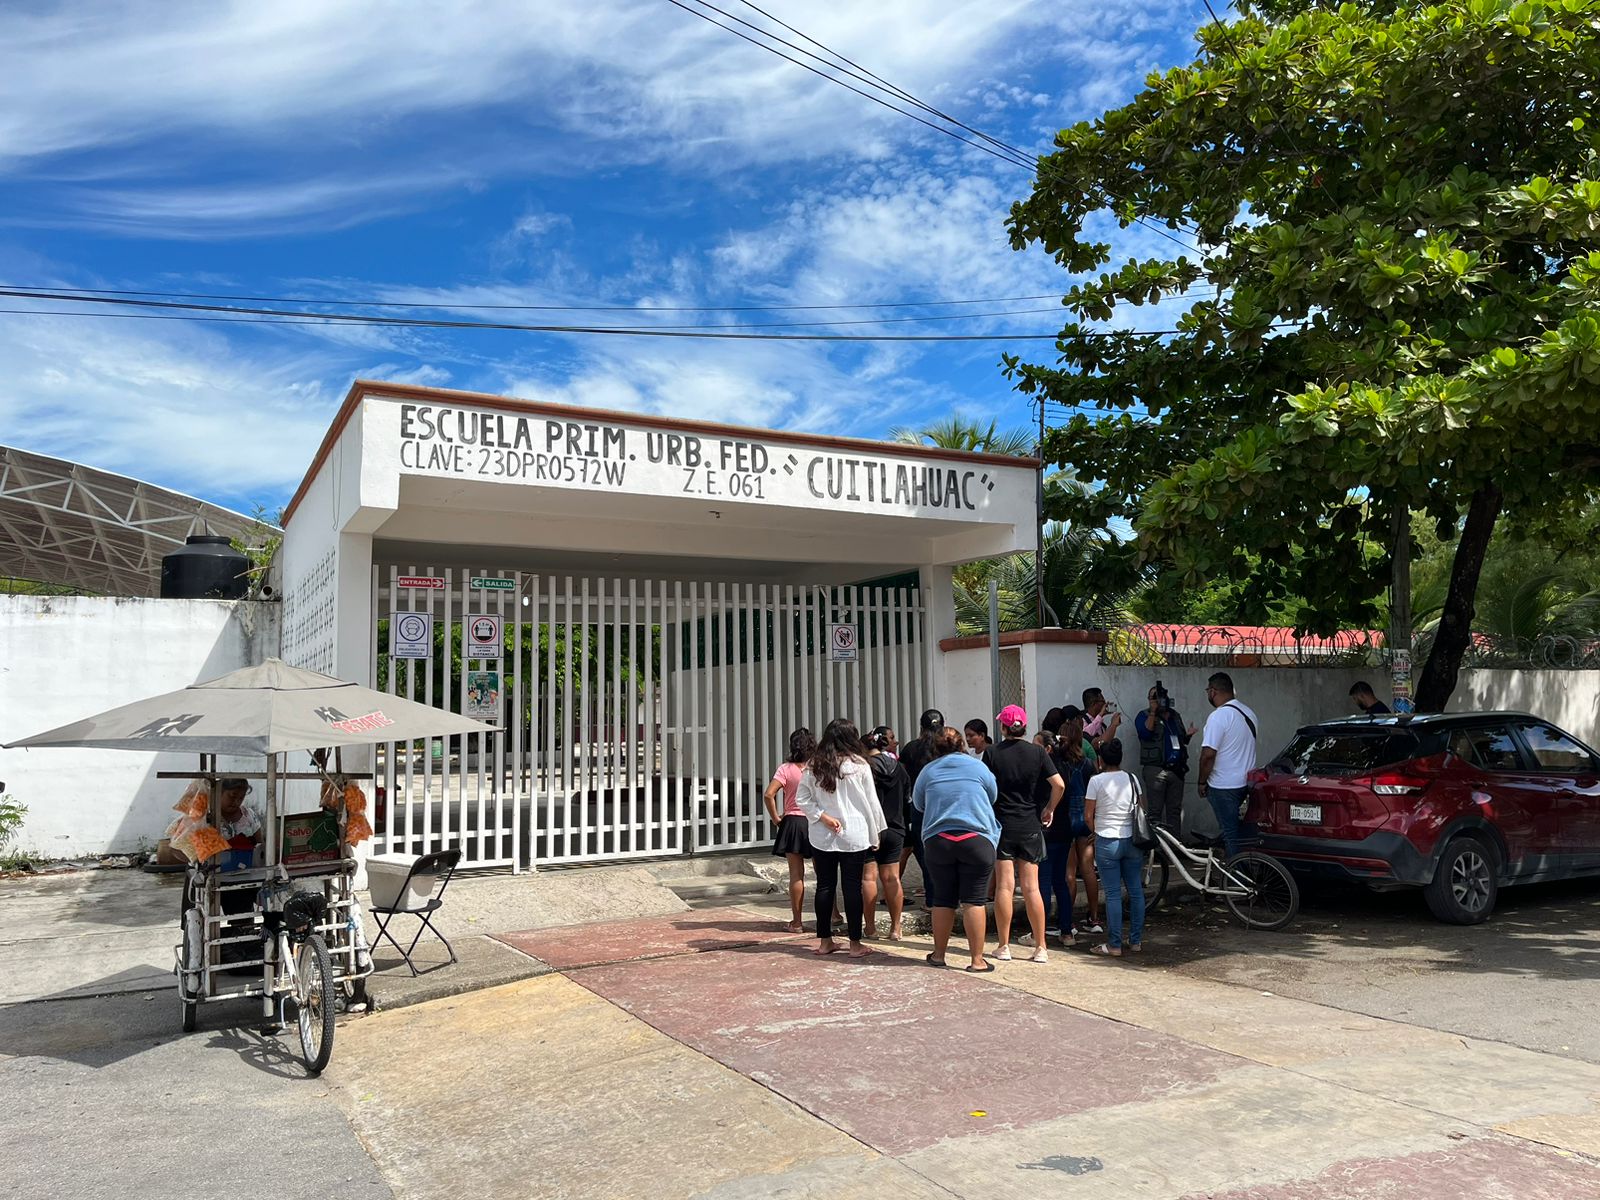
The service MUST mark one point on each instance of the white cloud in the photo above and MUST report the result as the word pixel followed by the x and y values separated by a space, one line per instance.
pixel 488 88
pixel 186 407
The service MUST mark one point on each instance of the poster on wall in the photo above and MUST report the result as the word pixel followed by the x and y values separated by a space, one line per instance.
pixel 483 696
pixel 411 635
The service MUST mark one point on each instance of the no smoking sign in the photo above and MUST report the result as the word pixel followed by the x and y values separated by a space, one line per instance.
pixel 483 637
pixel 842 645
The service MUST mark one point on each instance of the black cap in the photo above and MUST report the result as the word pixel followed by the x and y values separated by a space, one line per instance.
pixel 932 721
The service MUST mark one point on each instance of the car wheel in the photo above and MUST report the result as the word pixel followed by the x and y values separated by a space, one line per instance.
pixel 1466 883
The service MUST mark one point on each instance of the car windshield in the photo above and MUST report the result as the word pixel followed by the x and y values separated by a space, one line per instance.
pixel 1346 752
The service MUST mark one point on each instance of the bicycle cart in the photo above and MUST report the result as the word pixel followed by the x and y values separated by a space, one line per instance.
pixel 285 929
pixel 1257 888
pixel 288 932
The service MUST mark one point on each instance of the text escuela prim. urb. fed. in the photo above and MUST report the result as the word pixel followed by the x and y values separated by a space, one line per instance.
pixel 506 447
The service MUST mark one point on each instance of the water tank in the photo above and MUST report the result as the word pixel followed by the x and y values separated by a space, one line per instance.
pixel 206 568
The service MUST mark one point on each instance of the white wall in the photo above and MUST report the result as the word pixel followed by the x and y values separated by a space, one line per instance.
pixel 63 658
pixel 1569 698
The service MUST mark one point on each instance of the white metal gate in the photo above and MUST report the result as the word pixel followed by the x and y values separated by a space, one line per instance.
pixel 642 717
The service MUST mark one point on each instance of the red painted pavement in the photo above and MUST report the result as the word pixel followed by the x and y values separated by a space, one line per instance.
pixel 1489 1168
pixel 571 946
pixel 897 1053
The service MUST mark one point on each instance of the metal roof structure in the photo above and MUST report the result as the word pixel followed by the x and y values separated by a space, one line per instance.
pixel 75 526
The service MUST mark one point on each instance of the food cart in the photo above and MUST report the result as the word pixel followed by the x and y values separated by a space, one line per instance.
pixel 283 926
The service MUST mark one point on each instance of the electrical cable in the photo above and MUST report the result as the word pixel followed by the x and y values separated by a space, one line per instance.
pixel 272 316
pixel 642 310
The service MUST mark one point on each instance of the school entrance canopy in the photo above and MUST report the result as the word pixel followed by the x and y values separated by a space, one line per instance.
pixel 648 604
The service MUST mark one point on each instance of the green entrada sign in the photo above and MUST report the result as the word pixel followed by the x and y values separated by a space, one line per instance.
pixel 493 585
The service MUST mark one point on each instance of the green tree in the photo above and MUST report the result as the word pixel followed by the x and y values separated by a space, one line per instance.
pixel 1396 296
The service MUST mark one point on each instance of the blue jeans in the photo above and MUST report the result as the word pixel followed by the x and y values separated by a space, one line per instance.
pixel 1225 803
pixel 1120 866
pixel 1053 883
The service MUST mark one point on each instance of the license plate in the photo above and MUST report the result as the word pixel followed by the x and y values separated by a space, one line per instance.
pixel 1305 814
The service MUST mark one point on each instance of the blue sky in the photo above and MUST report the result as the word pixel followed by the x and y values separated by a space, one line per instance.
pixel 609 152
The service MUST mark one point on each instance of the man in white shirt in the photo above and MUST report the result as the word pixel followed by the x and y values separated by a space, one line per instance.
pixel 1227 756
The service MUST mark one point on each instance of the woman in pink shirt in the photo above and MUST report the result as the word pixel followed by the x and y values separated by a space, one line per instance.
pixel 793 841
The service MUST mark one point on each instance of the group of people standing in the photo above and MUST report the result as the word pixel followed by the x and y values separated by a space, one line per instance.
pixel 986 819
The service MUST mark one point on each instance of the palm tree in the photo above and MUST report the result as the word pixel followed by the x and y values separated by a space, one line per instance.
pixel 957 433
pixel 1089 580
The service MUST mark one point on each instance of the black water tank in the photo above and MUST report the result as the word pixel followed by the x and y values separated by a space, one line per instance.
pixel 207 568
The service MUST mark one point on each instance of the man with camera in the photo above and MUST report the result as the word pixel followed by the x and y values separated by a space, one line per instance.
pixel 1163 757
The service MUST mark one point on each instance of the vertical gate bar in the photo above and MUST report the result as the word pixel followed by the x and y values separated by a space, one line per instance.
pixel 544 808
pixel 595 703
pixel 727 720
pixel 744 694
pixel 672 695
pixel 763 753
pixel 819 657
pixel 794 706
pixel 449 774
pixel 386 606
pixel 411 764
pixel 799 618
pixel 585 733
pixel 691 678
pixel 518 737
pixel 630 708
pixel 568 724
pixel 649 736
pixel 618 729
pixel 922 651
pixel 897 655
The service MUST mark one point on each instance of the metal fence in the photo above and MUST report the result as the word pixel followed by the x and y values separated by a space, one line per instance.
pixel 1238 646
pixel 1265 646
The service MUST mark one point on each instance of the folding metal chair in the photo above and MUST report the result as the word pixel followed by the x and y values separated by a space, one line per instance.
pixel 441 865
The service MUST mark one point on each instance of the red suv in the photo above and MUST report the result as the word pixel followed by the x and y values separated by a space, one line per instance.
pixel 1454 803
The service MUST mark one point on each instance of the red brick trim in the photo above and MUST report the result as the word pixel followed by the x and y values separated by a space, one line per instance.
pixel 1029 637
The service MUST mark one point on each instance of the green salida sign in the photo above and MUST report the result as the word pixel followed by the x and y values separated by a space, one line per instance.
pixel 490 584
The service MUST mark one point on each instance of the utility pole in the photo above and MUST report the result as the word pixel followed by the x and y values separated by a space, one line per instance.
pixel 1038 541
pixel 1400 604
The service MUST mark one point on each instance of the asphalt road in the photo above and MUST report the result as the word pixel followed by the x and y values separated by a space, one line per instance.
pixel 105 1098
pixel 1530 976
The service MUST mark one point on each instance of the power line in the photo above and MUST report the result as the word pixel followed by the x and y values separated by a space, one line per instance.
pixel 893 88
pixel 1006 153
pixel 272 316
pixel 616 308
pixel 1019 162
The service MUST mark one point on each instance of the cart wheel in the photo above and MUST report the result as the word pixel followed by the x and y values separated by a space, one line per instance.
pixel 314 1003
pixel 190 975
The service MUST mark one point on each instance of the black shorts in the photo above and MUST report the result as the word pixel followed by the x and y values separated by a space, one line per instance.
pixel 890 843
pixel 1023 843
pixel 958 872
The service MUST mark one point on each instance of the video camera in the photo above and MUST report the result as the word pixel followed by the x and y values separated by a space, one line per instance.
pixel 1163 698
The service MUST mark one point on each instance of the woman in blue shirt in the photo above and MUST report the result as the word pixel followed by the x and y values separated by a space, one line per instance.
pixel 955 793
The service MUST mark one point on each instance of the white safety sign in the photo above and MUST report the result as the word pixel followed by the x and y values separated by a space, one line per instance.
pixel 411 635
pixel 842 643
pixel 483 638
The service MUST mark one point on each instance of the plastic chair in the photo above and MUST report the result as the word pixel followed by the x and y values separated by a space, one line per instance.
pixel 440 865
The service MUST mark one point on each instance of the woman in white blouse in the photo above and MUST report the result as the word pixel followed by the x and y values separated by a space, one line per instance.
pixel 1108 810
pixel 838 799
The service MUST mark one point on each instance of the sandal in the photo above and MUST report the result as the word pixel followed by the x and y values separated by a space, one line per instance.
pixel 935 962
pixel 983 970
pixel 1104 950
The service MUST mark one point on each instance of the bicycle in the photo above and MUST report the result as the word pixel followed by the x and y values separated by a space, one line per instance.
pixel 292 923
pixel 1258 888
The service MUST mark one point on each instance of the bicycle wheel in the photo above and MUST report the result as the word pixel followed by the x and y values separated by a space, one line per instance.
pixel 1156 873
pixel 314 1003
pixel 1274 896
pixel 189 975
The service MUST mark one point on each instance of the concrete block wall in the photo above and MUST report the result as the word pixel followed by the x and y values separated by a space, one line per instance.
pixel 66 657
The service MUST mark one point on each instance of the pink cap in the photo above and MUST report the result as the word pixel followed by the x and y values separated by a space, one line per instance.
pixel 1011 716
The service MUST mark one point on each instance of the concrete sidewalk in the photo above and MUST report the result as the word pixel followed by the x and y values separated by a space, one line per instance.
pixel 709 1054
